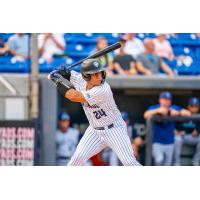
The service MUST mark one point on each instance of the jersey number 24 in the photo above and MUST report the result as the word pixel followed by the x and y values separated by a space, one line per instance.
pixel 99 113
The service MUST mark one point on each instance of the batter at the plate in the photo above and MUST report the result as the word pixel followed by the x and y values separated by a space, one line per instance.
pixel 107 128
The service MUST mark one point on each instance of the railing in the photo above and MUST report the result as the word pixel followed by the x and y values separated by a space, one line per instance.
pixel 149 135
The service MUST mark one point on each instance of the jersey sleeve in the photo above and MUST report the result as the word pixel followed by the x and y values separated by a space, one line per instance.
pixel 97 95
pixel 75 78
pixel 153 107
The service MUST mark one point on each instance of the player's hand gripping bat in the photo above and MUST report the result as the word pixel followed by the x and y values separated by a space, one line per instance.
pixel 97 54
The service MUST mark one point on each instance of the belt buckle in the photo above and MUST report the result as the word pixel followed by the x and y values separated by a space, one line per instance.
pixel 105 128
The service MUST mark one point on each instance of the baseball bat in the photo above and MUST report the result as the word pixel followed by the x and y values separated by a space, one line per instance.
pixel 102 52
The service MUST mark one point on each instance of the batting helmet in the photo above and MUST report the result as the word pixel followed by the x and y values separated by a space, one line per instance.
pixel 92 66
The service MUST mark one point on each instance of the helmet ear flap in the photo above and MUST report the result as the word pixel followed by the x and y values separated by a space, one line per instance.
pixel 103 76
pixel 86 77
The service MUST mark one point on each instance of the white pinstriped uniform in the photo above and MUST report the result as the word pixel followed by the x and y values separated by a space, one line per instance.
pixel 101 111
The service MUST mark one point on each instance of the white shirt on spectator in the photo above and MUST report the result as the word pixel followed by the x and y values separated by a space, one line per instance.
pixel 163 49
pixel 50 47
pixel 134 47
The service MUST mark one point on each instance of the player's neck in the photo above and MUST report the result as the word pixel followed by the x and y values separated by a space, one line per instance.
pixel 89 86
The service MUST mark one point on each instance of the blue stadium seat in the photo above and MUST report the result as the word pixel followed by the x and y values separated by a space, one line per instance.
pixel 142 36
pixel 186 36
pixel 85 38
pixel 111 37
pixel 188 70
pixel 80 45
pixel 183 50
pixel 77 50
pixel 69 37
pixel 19 67
pixel 47 67
pixel 197 54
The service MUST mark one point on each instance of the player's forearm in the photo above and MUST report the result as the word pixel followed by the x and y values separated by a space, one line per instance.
pixel 185 112
pixel 75 96
pixel 150 113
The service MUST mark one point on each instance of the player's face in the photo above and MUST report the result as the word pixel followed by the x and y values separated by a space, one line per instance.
pixel 165 102
pixel 96 79
pixel 63 125
pixel 193 109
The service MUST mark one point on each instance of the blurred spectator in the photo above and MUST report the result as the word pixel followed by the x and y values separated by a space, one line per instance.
pixel 123 63
pixel 163 48
pixel 50 45
pixel 107 60
pixel 188 133
pixel 136 140
pixel 148 63
pixel 18 45
pixel 133 46
pixel 198 35
pixel 66 140
pixel 163 132
pixel 3 47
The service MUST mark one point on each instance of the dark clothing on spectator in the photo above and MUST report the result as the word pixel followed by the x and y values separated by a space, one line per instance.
pixel 124 61
pixel 188 127
pixel 151 62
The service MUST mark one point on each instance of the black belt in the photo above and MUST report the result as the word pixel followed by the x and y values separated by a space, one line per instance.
pixel 103 128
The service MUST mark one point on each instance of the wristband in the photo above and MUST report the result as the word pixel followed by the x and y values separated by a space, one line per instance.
pixel 63 88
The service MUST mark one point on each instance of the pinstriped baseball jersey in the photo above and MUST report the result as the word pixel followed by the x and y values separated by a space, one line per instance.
pixel 101 111
pixel 100 108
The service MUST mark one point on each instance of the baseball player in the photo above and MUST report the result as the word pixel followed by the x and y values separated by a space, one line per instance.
pixel 188 133
pixel 106 126
pixel 163 132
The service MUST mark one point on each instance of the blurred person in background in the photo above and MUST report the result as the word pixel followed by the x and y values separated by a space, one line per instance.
pixel 106 60
pixel 188 133
pixel 137 141
pixel 3 47
pixel 163 47
pixel 50 45
pixel 124 64
pixel 67 139
pixel 133 45
pixel 163 132
pixel 18 45
pixel 148 63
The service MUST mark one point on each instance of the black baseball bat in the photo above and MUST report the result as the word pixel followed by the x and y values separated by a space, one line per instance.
pixel 104 51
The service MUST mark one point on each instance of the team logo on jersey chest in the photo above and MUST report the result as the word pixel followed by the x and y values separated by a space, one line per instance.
pixel 90 106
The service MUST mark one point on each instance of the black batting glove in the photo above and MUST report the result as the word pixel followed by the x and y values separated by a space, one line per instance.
pixel 64 72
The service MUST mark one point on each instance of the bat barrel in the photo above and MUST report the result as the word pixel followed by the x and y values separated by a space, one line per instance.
pixel 98 54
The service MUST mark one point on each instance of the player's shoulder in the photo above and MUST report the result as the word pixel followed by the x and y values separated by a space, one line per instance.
pixel 75 73
pixel 103 88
